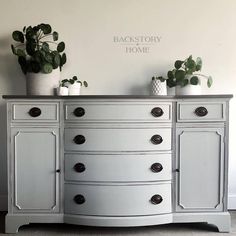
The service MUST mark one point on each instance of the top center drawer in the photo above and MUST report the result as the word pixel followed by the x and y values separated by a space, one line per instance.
pixel 118 112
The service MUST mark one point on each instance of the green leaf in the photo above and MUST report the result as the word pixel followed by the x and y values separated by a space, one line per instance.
pixel 170 74
pixel 162 79
pixel 183 82
pixel 74 78
pixel 179 75
pixel 190 64
pixel 61 47
pixel 13 49
pixel 35 66
pixel 47 68
pixel 20 53
pixel 209 81
pixel 48 57
pixel 171 83
pixel 45 47
pixel 194 80
pixel 178 64
pixel 46 28
pixel 85 84
pixel 23 63
pixel 198 63
pixel 30 47
pixel 55 36
pixel 18 36
pixel 63 59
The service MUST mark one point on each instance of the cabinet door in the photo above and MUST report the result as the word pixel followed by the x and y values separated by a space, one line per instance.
pixel 200 154
pixel 34 159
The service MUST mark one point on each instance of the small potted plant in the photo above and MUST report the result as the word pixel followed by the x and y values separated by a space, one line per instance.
pixel 71 86
pixel 158 86
pixel 186 77
pixel 40 56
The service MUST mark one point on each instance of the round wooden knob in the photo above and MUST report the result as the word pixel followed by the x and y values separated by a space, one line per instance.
pixel 79 167
pixel 156 167
pixel 35 112
pixel 79 139
pixel 156 139
pixel 79 111
pixel 201 111
pixel 79 199
pixel 157 112
pixel 156 199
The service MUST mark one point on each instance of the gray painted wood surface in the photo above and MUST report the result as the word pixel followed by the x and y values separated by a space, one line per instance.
pixel 118 153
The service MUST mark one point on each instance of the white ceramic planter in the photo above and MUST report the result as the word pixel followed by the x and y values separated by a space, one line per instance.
pixel 188 90
pixel 42 84
pixel 158 87
pixel 62 91
pixel 74 89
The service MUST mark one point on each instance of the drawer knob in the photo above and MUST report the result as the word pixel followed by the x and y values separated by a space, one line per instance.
pixel 156 199
pixel 79 199
pixel 79 167
pixel 35 112
pixel 156 167
pixel 79 111
pixel 79 139
pixel 157 112
pixel 156 139
pixel 201 111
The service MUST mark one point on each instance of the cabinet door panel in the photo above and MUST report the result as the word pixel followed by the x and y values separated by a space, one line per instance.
pixel 200 164
pixel 34 160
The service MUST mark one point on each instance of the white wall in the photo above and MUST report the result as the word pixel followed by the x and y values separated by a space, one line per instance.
pixel 203 28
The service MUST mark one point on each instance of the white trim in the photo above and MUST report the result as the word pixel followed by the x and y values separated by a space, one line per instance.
pixel 3 202
pixel 232 202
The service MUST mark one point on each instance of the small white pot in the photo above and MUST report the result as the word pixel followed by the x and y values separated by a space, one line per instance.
pixel 74 89
pixel 41 83
pixel 62 91
pixel 189 89
pixel 158 87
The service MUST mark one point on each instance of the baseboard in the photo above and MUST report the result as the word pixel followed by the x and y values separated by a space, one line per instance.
pixel 3 202
pixel 232 202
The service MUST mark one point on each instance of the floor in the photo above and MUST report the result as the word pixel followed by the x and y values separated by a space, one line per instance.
pixel 163 230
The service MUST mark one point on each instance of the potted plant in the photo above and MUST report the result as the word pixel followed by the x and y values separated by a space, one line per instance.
pixel 40 56
pixel 186 77
pixel 158 86
pixel 72 86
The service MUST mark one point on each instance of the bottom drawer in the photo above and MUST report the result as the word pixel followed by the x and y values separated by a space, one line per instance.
pixel 114 200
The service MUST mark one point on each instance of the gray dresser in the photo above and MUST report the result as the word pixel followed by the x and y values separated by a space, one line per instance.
pixel 117 160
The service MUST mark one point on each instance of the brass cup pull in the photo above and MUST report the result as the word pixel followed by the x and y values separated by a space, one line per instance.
pixel 156 199
pixel 201 111
pixel 79 139
pixel 156 167
pixel 79 111
pixel 157 112
pixel 35 112
pixel 156 139
pixel 79 199
pixel 79 167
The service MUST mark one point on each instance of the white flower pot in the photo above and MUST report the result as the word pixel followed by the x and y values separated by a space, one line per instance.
pixel 62 91
pixel 189 89
pixel 158 87
pixel 41 83
pixel 74 89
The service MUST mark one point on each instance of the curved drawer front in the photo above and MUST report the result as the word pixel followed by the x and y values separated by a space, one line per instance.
pixel 117 200
pixel 201 111
pixel 117 139
pixel 119 168
pixel 118 112
pixel 35 112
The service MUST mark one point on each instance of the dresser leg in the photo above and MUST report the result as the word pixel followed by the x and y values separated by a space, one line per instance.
pixel 223 223
pixel 12 224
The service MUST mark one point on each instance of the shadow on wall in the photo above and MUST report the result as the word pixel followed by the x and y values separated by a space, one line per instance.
pixel 12 79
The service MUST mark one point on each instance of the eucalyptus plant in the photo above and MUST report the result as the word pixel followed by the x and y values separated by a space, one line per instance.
pixel 74 79
pixel 185 73
pixel 37 49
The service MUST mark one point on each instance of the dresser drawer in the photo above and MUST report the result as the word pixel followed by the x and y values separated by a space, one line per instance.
pixel 201 111
pixel 117 168
pixel 118 112
pixel 35 112
pixel 117 200
pixel 117 139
